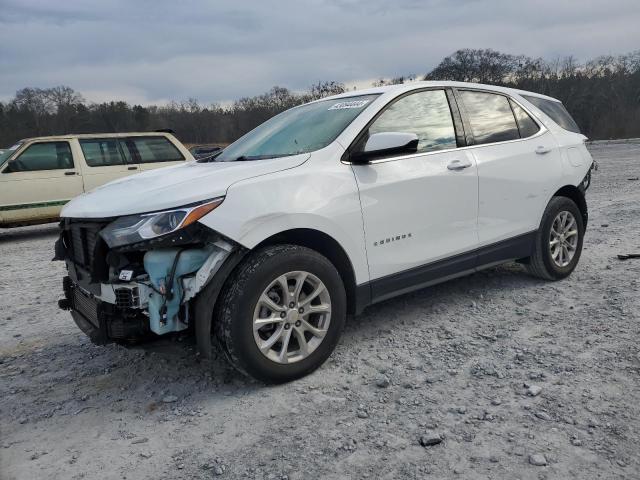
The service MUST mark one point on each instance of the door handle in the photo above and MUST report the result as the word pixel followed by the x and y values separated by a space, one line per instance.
pixel 132 168
pixel 70 173
pixel 541 150
pixel 459 165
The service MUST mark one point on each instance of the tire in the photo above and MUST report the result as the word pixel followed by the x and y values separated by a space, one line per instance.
pixel 252 293
pixel 543 263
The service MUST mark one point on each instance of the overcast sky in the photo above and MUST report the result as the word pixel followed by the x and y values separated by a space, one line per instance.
pixel 153 51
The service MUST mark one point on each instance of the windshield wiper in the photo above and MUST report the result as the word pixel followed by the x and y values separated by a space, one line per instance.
pixel 209 158
pixel 244 158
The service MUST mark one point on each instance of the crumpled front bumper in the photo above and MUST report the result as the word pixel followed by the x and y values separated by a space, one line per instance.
pixel 102 322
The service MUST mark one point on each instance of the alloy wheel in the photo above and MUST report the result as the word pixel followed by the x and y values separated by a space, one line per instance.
pixel 292 317
pixel 563 238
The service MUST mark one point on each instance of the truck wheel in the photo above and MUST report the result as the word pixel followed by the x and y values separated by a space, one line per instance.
pixel 559 240
pixel 281 313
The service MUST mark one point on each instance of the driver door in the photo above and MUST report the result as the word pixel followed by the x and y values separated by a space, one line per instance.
pixel 36 184
pixel 420 210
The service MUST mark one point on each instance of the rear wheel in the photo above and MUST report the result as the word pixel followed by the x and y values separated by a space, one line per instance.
pixel 281 313
pixel 559 240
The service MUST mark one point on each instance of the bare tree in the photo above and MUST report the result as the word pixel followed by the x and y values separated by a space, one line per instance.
pixel 602 94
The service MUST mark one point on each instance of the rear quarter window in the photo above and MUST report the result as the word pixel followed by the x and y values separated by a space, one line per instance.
pixel 555 111
pixel 155 149
pixel 527 126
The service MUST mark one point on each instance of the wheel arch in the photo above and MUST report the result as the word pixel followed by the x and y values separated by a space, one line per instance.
pixel 327 246
pixel 574 193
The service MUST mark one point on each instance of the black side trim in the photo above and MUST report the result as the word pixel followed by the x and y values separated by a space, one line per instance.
pixel 362 297
pixel 437 272
pixel 415 278
pixel 512 249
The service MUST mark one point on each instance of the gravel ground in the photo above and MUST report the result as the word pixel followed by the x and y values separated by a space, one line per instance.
pixel 497 375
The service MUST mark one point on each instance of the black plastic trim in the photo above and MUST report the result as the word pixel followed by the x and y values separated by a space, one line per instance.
pixel 512 249
pixel 458 124
pixel 416 278
pixel 362 297
pixel 205 302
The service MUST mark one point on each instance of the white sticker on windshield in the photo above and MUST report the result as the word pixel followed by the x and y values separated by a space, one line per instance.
pixel 15 147
pixel 351 104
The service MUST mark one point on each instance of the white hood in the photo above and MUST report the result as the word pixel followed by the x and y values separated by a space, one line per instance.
pixel 171 187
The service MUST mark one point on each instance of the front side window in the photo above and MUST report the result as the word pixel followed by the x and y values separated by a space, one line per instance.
pixel 526 125
pixel 490 117
pixel 101 152
pixel 43 156
pixel 154 149
pixel 5 155
pixel 556 111
pixel 301 129
pixel 426 114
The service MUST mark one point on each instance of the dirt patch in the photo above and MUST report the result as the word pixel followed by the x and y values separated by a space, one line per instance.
pixel 497 375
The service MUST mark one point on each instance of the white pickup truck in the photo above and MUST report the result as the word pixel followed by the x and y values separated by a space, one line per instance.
pixel 38 176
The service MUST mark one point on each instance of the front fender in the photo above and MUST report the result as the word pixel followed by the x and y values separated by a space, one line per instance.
pixel 320 195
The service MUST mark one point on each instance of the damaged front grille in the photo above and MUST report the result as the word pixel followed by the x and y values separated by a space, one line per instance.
pixel 83 245
pixel 85 248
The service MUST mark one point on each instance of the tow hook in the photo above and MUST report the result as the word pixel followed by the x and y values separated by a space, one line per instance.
pixel 64 304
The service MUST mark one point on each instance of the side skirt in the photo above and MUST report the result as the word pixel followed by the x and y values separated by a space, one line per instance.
pixel 443 270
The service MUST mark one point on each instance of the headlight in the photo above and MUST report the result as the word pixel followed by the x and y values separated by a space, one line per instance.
pixel 136 228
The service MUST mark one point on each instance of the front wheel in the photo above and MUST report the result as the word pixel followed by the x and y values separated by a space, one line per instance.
pixel 559 240
pixel 281 313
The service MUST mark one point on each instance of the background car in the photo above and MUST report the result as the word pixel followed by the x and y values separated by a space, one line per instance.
pixel 40 175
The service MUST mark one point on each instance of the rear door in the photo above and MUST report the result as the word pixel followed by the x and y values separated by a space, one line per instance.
pixel 418 208
pixel 105 159
pixel 152 152
pixel 518 162
pixel 38 182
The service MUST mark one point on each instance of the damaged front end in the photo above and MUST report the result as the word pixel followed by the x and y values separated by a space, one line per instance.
pixel 135 278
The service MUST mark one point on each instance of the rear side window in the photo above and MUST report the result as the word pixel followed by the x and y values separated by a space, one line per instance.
pixel 426 114
pixel 101 152
pixel 556 111
pixel 43 156
pixel 526 124
pixel 490 117
pixel 154 149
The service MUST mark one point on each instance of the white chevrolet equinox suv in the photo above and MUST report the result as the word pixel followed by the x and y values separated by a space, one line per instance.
pixel 323 210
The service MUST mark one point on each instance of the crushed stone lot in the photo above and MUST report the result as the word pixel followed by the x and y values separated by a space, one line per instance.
pixel 496 375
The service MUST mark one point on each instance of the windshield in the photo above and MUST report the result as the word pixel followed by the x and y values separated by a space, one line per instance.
pixel 301 129
pixel 4 156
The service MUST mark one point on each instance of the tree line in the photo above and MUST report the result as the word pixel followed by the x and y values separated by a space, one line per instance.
pixel 603 96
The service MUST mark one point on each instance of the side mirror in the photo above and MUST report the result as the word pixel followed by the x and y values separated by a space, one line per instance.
pixel 384 144
pixel 9 168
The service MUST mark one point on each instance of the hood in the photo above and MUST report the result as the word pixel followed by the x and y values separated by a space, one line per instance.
pixel 171 187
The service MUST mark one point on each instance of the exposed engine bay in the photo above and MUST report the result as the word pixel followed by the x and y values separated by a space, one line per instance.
pixel 132 292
